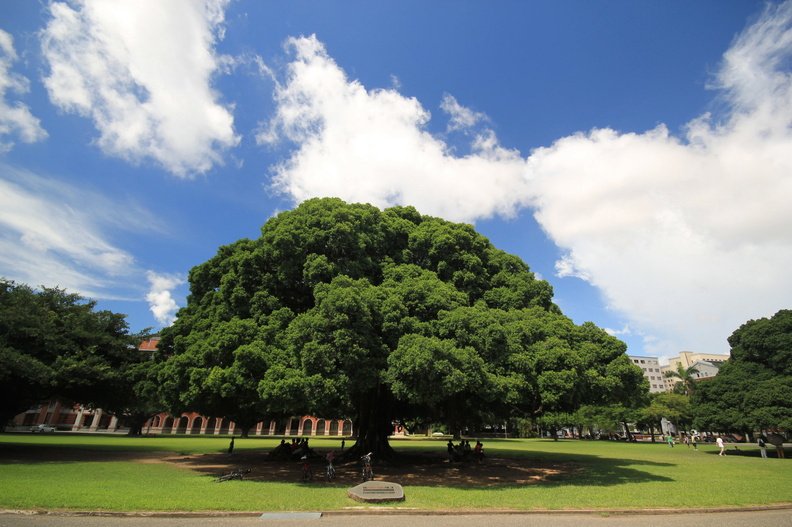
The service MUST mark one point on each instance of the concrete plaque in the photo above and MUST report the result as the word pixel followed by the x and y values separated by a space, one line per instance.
pixel 376 491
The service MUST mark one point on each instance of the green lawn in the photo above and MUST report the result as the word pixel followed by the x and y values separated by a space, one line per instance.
pixel 608 475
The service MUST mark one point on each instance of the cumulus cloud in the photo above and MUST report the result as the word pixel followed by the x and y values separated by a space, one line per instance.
pixel 625 330
pixel 48 237
pixel 372 146
pixel 461 118
pixel 142 71
pixel 15 118
pixel 160 297
pixel 686 237
pixel 689 237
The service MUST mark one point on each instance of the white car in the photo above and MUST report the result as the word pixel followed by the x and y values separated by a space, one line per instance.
pixel 42 428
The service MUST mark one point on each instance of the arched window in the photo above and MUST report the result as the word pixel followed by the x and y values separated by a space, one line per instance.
pixel 307 427
pixel 196 425
pixel 168 425
pixel 211 424
pixel 183 422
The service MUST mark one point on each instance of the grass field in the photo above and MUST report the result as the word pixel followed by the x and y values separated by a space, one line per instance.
pixel 85 472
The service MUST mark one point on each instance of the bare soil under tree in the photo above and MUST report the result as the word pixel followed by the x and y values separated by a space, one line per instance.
pixel 405 469
pixel 426 469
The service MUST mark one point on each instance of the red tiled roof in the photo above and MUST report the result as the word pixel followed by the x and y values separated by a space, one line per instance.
pixel 149 344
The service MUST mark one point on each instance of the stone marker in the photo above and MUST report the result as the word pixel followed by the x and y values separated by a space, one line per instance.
pixel 376 491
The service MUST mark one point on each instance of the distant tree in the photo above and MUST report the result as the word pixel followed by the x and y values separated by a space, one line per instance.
pixel 651 415
pixel 56 344
pixel 679 411
pixel 753 389
pixel 348 311
pixel 553 422
pixel 599 420
pixel 686 379
pixel 134 397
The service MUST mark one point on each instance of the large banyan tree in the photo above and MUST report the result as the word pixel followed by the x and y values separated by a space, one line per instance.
pixel 345 310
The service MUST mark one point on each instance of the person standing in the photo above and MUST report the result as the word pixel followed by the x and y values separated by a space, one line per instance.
pixel 762 447
pixel 231 446
pixel 694 440
pixel 719 442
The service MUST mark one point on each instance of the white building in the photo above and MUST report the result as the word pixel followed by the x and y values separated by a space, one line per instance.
pixel 709 364
pixel 651 370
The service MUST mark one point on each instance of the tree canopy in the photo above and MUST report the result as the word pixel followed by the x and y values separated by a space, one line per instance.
pixel 753 389
pixel 344 310
pixel 686 378
pixel 56 344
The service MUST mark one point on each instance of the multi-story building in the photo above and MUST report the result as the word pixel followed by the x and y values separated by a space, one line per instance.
pixel 706 363
pixel 705 369
pixel 651 370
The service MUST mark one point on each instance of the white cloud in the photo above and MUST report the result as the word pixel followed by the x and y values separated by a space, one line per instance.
pixel 49 237
pixel 371 145
pixel 462 118
pixel 625 330
pixel 15 118
pixel 685 237
pixel 142 70
pixel 688 237
pixel 565 267
pixel 160 298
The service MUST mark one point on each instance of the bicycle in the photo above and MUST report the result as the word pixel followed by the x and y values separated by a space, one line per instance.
pixel 330 472
pixel 368 474
pixel 234 474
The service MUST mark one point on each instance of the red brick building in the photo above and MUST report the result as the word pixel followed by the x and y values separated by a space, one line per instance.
pixel 76 418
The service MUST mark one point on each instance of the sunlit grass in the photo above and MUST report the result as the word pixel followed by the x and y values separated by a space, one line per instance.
pixel 609 475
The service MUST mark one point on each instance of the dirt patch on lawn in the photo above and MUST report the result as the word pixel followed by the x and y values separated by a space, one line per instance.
pixel 412 469
pixel 428 469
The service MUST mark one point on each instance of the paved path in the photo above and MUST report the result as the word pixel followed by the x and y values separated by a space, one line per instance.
pixel 771 518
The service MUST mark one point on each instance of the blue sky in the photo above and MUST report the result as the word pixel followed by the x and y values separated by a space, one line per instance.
pixel 637 155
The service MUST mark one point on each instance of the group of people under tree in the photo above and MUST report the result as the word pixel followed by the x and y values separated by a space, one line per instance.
pixel 297 448
pixel 463 451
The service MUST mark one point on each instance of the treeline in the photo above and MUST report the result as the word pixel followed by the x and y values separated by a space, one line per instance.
pixel 751 393
pixel 382 316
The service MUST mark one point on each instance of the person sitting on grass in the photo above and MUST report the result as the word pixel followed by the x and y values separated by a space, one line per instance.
pixel 466 450
pixel 478 451
pixel 450 449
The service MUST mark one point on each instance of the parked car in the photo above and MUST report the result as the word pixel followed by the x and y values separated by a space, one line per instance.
pixel 42 428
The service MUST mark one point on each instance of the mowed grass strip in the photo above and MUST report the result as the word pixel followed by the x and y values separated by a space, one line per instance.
pixel 606 475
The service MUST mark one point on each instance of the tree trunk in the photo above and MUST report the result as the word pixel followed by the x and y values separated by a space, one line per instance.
pixel 244 427
pixel 373 426
pixel 135 423
pixel 627 431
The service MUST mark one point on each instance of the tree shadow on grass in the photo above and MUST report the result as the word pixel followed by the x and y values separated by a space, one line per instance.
pixel 11 453
pixel 427 467
pixel 433 470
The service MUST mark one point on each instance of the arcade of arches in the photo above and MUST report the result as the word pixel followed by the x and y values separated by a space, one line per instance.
pixel 196 424
pixel 76 418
